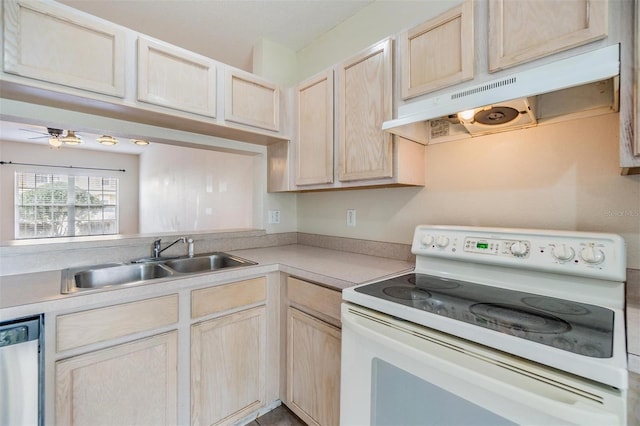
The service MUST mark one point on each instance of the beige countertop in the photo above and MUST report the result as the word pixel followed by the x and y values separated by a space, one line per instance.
pixel 337 269
pixel 38 292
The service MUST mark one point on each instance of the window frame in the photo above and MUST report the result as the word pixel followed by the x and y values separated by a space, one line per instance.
pixel 71 206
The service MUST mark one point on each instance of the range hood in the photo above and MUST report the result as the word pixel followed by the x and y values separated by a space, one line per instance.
pixel 510 102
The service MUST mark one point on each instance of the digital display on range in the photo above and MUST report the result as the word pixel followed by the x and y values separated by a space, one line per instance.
pixel 482 245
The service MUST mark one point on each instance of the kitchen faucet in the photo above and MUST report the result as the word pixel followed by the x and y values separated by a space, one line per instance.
pixel 157 250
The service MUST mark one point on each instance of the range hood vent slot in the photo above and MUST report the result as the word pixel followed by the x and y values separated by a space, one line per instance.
pixel 484 88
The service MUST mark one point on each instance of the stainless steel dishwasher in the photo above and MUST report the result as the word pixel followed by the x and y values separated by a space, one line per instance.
pixel 21 357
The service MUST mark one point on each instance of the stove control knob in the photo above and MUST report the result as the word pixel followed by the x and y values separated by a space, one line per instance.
pixel 442 241
pixel 562 252
pixel 519 248
pixel 427 240
pixel 592 255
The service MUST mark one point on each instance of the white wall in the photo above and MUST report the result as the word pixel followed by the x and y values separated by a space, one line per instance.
pixel 18 152
pixel 375 22
pixel 561 176
pixel 187 189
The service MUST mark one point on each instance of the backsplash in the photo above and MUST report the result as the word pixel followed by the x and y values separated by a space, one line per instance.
pixel 20 257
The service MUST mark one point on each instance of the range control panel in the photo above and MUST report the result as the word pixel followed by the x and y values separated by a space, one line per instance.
pixel 596 255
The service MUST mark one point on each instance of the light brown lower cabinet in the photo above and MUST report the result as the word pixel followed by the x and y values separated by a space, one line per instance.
pixel 228 367
pixel 130 384
pixel 313 369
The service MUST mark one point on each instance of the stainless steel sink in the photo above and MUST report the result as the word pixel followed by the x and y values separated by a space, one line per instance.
pixel 120 274
pixel 204 263
pixel 111 275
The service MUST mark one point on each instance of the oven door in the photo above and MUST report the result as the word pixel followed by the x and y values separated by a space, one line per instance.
pixel 394 372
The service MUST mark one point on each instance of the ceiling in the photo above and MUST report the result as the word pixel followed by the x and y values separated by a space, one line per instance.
pixel 225 30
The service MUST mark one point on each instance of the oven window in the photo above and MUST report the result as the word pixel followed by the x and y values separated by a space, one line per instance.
pixel 399 397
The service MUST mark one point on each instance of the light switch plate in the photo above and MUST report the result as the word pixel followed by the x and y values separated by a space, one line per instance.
pixel 351 217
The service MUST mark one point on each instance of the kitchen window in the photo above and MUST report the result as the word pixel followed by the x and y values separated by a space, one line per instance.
pixel 58 205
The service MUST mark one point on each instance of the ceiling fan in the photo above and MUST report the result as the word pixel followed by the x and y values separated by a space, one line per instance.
pixel 51 133
pixel 56 139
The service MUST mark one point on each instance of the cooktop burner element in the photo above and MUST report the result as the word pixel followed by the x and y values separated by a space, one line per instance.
pixel 519 318
pixel 555 305
pixel 426 281
pixel 398 292
pixel 571 326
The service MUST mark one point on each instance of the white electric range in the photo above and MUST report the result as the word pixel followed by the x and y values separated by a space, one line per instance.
pixel 546 306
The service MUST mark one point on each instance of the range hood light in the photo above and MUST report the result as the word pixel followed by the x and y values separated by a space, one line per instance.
pixel 467 115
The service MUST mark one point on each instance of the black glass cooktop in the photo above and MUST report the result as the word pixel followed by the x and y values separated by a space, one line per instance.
pixel 571 326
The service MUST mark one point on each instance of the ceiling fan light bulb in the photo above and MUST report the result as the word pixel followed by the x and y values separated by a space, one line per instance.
pixel 55 142
pixel 107 140
pixel 71 138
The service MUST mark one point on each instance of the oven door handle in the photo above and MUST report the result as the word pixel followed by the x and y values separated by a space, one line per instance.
pixel 451 355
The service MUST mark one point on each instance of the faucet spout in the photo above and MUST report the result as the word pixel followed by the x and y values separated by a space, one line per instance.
pixel 156 246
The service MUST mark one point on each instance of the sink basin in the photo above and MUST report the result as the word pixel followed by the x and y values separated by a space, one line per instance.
pixel 110 275
pixel 117 274
pixel 205 263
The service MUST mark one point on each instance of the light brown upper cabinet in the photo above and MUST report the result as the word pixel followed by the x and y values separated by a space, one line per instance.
pixel 523 30
pixel 176 78
pixel 438 53
pixel 252 101
pixel 365 101
pixel 314 154
pixel 58 45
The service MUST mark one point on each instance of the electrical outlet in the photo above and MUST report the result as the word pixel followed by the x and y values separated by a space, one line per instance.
pixel 274 216
pixel 351 217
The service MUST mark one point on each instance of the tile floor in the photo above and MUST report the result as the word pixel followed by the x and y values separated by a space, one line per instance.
pixel 280 416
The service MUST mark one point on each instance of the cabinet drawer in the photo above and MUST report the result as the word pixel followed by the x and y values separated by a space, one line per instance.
pixel 228 296
pixel 97 325
pixel 314 297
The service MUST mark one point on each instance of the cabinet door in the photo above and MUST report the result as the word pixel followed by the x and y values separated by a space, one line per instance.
pixel 523 30
pixel 130 384
pixel 228 367
pixel 439 52
pixel 364 103
pixel 176 78
pixel 315 130
pixel 313 369
pixel 251 100
pixel 48 42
